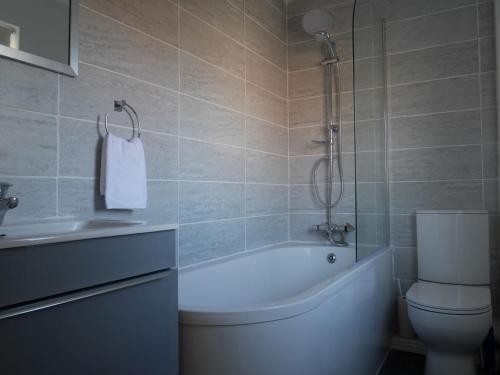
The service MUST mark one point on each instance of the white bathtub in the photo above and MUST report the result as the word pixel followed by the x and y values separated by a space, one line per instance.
pixel 287 311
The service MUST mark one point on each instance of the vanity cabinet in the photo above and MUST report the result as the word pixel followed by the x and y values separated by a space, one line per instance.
pixel 97 306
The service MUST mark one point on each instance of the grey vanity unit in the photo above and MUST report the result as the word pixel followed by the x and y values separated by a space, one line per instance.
pixel 88 298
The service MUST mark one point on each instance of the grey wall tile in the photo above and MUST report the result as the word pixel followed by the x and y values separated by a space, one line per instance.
pixel 112 46
pixel 306 83
pixel 403 230
pixel 302 198
pixel 436 29
pixel 266 168
pixel 225 15
pixel 200 242
pixel 91 94
pixel 295 7
pixel 211 45
pixel 37 198
pixel 205 161
pixel 303 226
pixel 210 122
pixel 154 17
pixel 279 4
pixel 80 198
pixel 491 196
pixel 25 87
pixel 436 96
pixel 490 128
pixel 28 144
pixel 405 262
pixel 446 163
pixel 311 111
pixel 81 145
pixel 264 74
pixel 366 229
pixel 490 160
pixel 207 82
pixel 488 56
pixel 486 19
pixel 301 141
pixel 301 168
pixel 268 16
pixel 488 90
pixel 305 55
pixel 266 231
pixel 445 129
pixel 266 106
pixel 369 105
pixel 268 137
pixel 398 9
pixel 406 198
pixel 265 43
pixel 264 199
pixel 210 201
pixel 433 63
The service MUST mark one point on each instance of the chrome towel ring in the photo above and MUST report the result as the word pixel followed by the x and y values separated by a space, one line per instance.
pixel 122 105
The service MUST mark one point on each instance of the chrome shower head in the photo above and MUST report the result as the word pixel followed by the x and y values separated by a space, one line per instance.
pixel 317 22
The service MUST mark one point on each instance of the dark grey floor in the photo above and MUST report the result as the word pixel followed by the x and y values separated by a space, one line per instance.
pixel 403 363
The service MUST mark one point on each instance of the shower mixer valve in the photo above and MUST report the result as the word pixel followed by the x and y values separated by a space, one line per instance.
pixel 336 233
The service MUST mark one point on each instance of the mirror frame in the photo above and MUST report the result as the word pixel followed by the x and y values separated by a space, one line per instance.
pixel 70 69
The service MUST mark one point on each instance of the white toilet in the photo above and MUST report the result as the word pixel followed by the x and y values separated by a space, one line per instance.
pixel 450 305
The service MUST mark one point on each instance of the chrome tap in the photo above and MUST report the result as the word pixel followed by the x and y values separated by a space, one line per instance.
pixel 336 234
pixel 6 203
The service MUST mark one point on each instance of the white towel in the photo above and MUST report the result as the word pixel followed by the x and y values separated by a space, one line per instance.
pixel 123 173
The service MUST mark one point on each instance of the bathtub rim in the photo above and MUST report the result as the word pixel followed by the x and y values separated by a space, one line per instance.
pixel 294 306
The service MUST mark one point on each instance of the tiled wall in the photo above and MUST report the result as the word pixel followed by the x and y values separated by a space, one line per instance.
pixel 209 81
pixel 443 128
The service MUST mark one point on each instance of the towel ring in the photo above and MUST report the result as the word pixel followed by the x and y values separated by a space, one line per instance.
pixel 119 106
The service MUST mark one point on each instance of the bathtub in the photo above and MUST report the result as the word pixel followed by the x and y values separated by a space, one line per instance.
pixel 287 311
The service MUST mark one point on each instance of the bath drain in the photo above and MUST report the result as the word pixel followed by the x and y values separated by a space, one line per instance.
pixel 331 258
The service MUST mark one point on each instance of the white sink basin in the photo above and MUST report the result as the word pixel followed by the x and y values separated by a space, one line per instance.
pixel 51 231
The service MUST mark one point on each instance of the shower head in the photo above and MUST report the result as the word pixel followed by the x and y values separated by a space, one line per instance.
pixel 317 22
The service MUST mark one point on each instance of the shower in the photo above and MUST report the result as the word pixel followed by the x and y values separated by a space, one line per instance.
pixel 318 22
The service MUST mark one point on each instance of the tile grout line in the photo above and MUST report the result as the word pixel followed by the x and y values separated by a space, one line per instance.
pixel 480 108
pixel 179 110
pixel 245 138
pixel 288 119
pixel 58 141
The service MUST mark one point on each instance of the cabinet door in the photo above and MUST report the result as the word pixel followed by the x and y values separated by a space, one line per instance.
pixel 129 327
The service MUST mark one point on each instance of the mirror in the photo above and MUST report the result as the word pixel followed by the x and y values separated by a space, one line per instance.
pixel 41 33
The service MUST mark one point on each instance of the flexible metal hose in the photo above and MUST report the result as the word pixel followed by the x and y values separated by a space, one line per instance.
pixel 329 203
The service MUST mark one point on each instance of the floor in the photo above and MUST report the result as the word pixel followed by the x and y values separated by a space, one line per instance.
pixel 403 363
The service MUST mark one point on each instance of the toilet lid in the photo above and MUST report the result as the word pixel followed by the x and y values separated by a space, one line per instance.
pixel 448 298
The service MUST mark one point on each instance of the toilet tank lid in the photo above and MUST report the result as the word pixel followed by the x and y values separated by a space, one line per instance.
pixel 449 296
pixel 460 212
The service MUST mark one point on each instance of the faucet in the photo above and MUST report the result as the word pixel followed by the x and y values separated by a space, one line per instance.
pixel 6 203
pixel 336 234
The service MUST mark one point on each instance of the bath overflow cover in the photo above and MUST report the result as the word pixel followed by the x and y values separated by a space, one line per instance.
pixel 331 258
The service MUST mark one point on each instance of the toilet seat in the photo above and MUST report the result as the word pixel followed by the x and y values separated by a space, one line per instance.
pixel 449 299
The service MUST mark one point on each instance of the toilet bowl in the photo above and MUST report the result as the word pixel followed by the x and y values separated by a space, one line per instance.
pixel 450 305
pixel 452 321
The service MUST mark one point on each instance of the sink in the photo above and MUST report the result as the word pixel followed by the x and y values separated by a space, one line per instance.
pixel 61 230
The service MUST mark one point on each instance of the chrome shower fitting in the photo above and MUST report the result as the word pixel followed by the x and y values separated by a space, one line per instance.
pixel 336 234
pixel 6 203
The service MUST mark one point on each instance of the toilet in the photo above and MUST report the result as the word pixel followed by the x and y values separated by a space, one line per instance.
pixel 450 305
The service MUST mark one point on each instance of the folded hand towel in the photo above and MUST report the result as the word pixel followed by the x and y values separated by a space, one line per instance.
pixel 123 173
